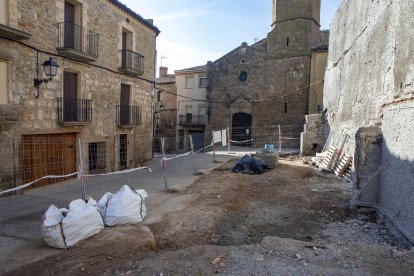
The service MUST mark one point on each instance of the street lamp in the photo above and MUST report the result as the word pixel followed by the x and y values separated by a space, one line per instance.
pixel 50 68
pixel 157 118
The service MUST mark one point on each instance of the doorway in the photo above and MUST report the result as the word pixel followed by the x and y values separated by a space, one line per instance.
pixel 242 129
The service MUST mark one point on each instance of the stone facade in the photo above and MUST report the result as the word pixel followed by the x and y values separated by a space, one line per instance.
pixel 369 93
pixel 166 121
pixel 98 81
pixel 312 139
pixel 267 82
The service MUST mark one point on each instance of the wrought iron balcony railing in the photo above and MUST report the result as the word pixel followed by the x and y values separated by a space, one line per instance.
pixel 74 110
pixel 192 120
pixel 127 115
pixel 131 63
pixel 77 42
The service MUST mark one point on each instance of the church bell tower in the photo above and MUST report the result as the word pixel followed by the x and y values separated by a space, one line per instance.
pixel 295 27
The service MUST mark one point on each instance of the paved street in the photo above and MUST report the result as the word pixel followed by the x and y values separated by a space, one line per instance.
pixel 20 217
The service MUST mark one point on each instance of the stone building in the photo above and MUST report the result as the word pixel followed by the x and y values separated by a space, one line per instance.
pixel 191 106
pixel 369 96
pixel 101 96
pixel 267 83
pixel 166 111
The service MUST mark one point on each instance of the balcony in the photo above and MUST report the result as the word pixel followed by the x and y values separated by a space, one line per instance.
pixel 128 116
pixel 77 42
pixel 9 32
pixel 74 111
pixel 131 63
pixel 192 120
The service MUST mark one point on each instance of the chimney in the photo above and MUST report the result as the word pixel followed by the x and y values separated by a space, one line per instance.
pixel 163 71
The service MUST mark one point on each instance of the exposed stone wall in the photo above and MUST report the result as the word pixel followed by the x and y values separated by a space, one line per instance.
pixel 312 139
pixel 167 123
pixel 99 81
pixel 369 83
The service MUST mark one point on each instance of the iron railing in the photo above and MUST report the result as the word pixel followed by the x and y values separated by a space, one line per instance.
pixel 127 115
pixel 132 61
pixel 190 119
pixel 74 110
pixel 72 36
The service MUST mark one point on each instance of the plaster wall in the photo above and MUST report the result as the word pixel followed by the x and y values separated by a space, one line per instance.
pixel 195 93
pixel 318 65
pixel 369 85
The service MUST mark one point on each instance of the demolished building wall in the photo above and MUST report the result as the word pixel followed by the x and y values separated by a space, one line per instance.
pixel 369 93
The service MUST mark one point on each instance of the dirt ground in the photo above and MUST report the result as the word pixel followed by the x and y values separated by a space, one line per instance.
pixel 289 220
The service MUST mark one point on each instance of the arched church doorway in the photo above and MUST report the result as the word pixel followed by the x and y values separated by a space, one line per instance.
pixel 242 129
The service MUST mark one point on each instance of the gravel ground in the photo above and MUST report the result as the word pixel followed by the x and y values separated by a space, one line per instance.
pixel 292 220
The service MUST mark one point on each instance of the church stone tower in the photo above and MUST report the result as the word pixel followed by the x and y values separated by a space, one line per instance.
pixel 295 27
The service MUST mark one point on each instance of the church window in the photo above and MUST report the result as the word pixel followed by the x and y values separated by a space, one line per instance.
pixel 287 42
pixel 243 76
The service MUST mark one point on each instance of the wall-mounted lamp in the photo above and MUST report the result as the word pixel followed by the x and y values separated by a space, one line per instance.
pixel 161 109
pixel 50 68
pixel 157 118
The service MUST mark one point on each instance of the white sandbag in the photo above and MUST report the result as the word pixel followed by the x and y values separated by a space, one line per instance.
pixel 126 206
pixel 52 227
pixel 64 228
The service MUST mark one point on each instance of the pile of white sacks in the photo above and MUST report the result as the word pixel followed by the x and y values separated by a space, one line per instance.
pixel 63 228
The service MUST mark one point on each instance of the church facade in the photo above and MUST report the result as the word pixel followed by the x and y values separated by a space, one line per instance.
pixel 267 83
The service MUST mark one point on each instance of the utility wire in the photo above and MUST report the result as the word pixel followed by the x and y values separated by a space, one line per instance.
pixel 252 101
pixel 153 83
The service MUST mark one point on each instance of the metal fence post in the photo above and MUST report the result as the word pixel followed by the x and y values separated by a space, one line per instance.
pixel 81 178
pixel 164 163
pixel 228 139
pixel 193 153
pixel 214 146
pixel 280 140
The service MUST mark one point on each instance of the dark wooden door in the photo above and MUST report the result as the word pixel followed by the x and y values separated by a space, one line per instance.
pixel 124 109
pixel 70 95
pixel 241 129
pixel 124 48
pixel 69 25
pixel 48 154
pixel 123 148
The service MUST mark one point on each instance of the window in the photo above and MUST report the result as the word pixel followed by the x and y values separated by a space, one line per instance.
pixel 202 110
pixel 203 82
pixel 189 82
pixel 189 113
pixel 96 153
pixel 243 76
pixel 4 82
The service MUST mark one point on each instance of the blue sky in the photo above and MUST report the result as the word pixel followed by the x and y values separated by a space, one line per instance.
pixel 194 31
